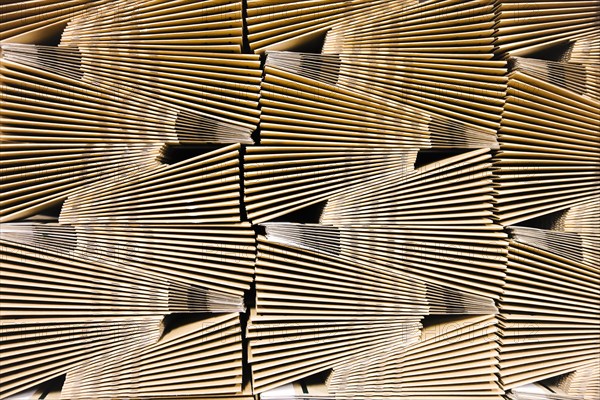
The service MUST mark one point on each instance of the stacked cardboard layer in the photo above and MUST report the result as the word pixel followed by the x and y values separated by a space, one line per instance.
pixel 38 283
pixel 36 176
pixel 195 359
pixel 217 257
pixel 280 180
pixel 63 131
pixel 434 222
pixel 549 144
pixel 525 28
pixel 206 25
pixel 202 189
pixel 550 313
pixel 315 311
pixel 35 350
pixel 436 56
pixel 400 81
pixel 302 326
pixel 583 383
pixel 141 235
pixel 36 21
pixel 285 24
pixel 423 194
pixel 454 359
pixel 188 82
pixel 584 220
pixel 70 105
pixel 299 109
pixel 578 78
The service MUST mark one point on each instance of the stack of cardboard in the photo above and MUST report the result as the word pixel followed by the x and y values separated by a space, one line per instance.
pixel 350 199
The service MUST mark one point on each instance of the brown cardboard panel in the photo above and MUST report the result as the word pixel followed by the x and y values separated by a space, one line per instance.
pixel 401 141
pixel 528 27
pixel 74 344
pixel 191 349
pixel 573 144
pixel 402 372
pixel 101 85
pixel 264 305
pixel 547 324
pixel 176 22
pixel 183 87
pixel 269 379
pixel 70 277
pixel 34 23
pixel 84 250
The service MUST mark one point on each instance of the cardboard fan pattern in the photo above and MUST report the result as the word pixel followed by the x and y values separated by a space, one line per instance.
pixel 284 199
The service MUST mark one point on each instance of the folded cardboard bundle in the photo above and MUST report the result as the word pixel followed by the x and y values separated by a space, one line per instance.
pixel 285 199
